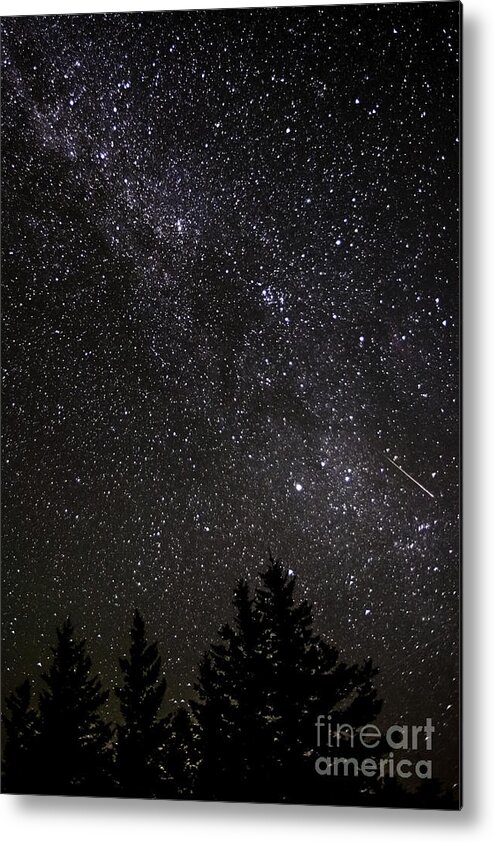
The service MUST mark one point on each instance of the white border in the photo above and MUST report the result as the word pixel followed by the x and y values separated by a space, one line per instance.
pixel 54 819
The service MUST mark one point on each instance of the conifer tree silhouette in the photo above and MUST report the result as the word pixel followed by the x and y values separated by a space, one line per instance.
pixel 230 680
pixel 259 694
pixel 252 736
pixel 142 734
pixel 432 794
pixel 74 741
pixel 305 678
pixel 179 756
pixel 21 725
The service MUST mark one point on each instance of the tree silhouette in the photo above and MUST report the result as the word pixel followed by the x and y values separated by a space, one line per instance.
pixel 21 741
pixel 74 741
pixel 431 794
pixel 179 756
pixel 142 734
pixel 259 694
pixel 230 730
pixel 252 736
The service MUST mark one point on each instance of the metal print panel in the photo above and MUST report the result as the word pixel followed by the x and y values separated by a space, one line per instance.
pixel 231 405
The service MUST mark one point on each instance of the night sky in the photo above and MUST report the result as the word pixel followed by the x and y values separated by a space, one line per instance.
pixel 230 301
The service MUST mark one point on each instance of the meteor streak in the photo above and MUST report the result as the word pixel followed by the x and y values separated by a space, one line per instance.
pixel 409 476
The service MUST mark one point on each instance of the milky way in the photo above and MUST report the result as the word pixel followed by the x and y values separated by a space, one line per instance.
pixel 230 266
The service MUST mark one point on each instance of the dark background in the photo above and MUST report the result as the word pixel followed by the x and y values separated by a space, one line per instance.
pixel 230 291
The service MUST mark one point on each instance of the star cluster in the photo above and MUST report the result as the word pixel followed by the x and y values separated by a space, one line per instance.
pixel 231 285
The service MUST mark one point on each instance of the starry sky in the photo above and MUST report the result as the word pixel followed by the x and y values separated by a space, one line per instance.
pixel 230 303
